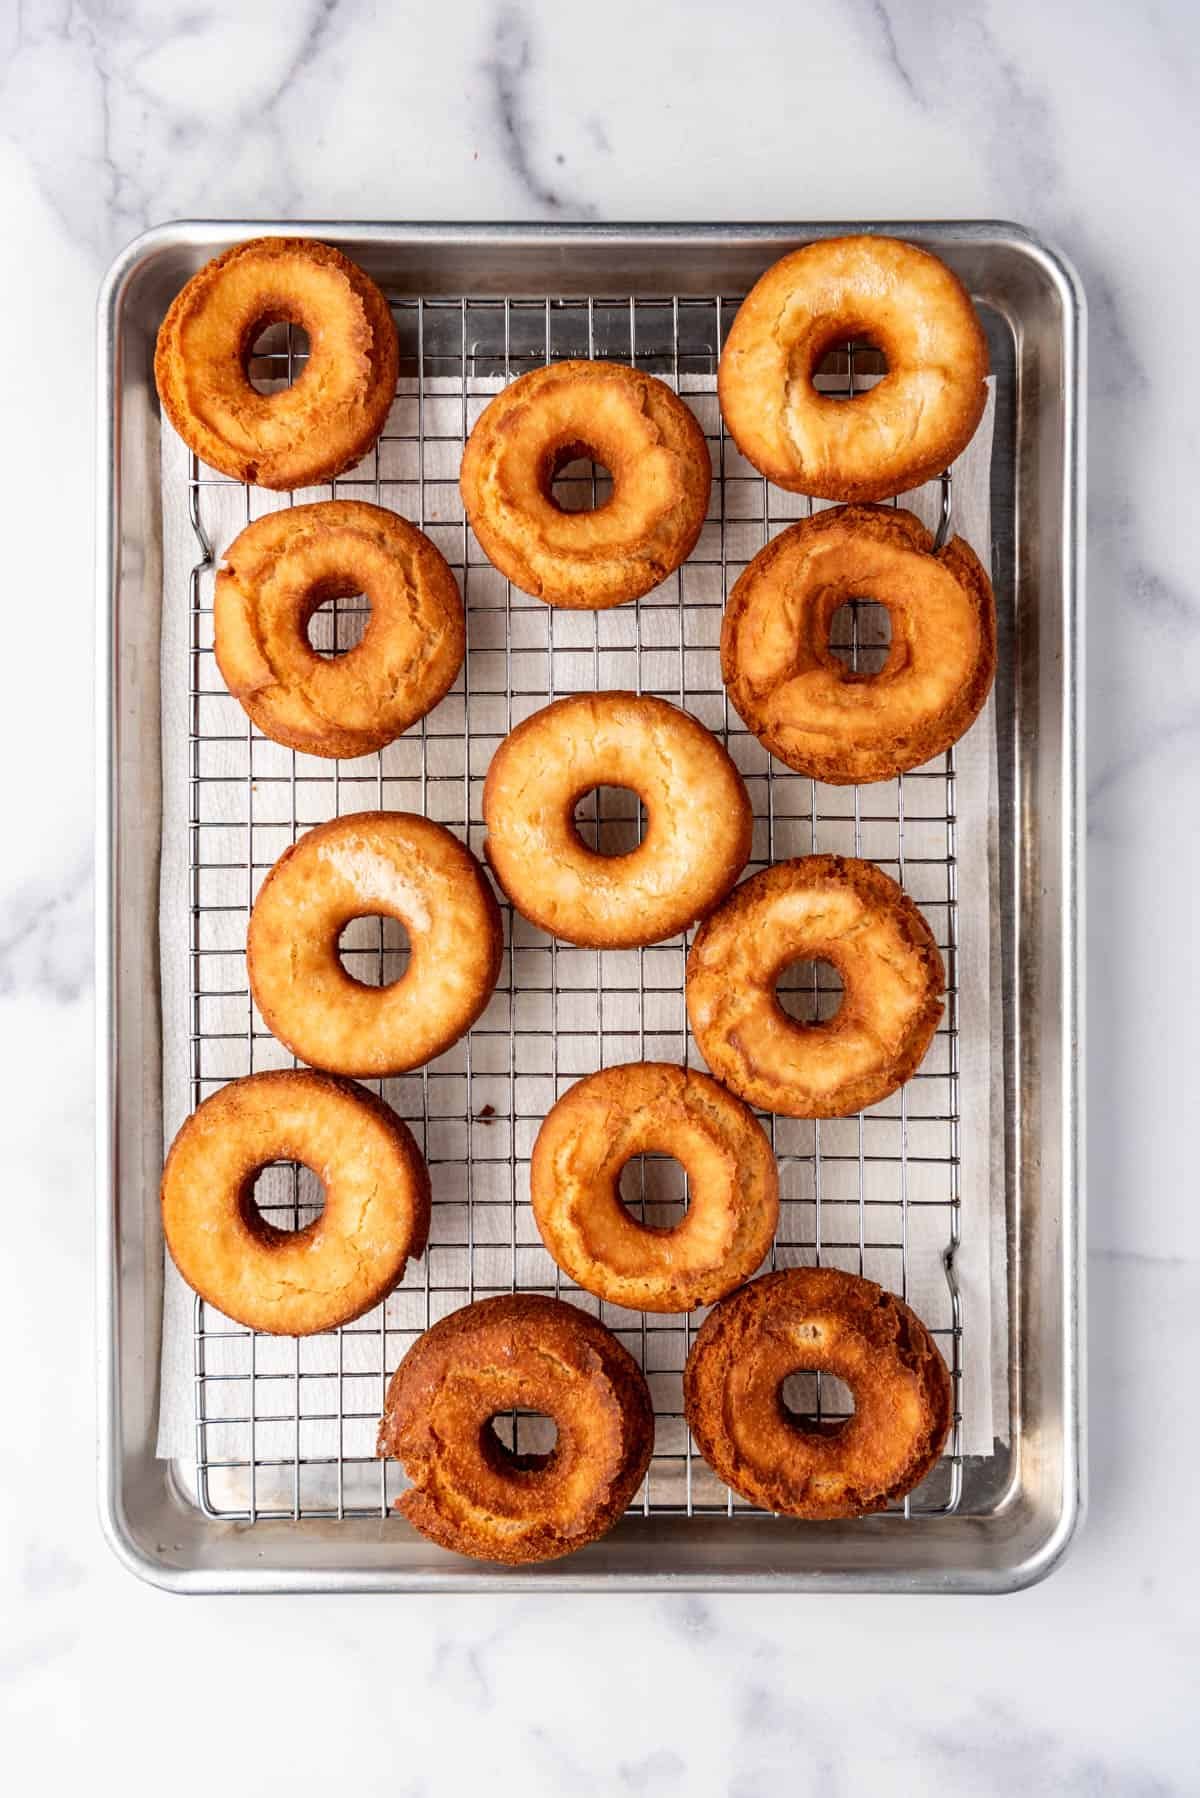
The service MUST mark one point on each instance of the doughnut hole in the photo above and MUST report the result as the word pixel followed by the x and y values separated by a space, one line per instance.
pixel 860 635
pixel 576 480
pixel 375 949
pixel 843 366
pixel 282 1197
pixel 654 1191
pixel 810 992
pixel 276 357
pixel 339 619
pixel 818 1404
pixel 519 1441
pixel 610 820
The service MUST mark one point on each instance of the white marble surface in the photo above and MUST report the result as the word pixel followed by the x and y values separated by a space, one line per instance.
pixel 1084 122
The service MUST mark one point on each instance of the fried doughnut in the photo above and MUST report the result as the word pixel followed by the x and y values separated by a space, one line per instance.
pixel 698 823
pixel 819 908
pixel 520 1352
pixel 276 574
pixel 335 408
pixel 647 439
pixel 904 430
pixel 392 864
pixel 294 1282
pixel 820 1320
pixel 654 1107
pixel 802 702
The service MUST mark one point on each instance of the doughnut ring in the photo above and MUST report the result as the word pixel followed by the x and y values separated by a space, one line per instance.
pixel 517 1352
pixel 276 574
pixel 338 404
pixel 698 828
pixel 900 432
pixel 294 1282
pixel 654 1107
pixel 822 1320
pixel 392 864
pixel 648 440
pixel 802 702
pixel 819 908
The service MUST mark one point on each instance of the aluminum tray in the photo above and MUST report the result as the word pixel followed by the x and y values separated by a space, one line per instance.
pixel 1006 1518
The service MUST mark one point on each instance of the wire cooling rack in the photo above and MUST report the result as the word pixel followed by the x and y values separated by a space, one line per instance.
pixel 286 1427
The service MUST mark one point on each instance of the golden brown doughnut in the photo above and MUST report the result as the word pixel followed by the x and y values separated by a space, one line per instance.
pixel 821 1320
pixel 294 1282
pixel 698 825
pixel 819 908
pixel 654 1108
pixel 276 574
pixel 802 702
pixel 335 408
pixel 647 439
pixel 518 1352
pixel 904 430
pixel 392 864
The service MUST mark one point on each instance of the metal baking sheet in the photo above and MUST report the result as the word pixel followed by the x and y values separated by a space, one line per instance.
pixel 254 1509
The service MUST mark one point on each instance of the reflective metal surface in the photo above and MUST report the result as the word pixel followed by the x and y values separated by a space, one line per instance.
pixel 1005 1520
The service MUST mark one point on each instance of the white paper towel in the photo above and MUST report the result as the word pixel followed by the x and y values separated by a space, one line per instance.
pixel 296 1390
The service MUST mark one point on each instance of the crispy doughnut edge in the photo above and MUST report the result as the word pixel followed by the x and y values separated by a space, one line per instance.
pixel 336 742
pixel 735 1318
pixel 783 472
pixel 385 360
pixel 729 869
pixel 957 556
pixel 436 1347
pixel 755 1220
pixel 873 883
pixel 690 444
pixel 271 1014
pixel 405 1143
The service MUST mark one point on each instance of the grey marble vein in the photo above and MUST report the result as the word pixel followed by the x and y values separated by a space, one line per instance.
pixel 1137 1258
pixel 660 1771
pixel 26 1660
pixel 48 1568
pixel 139 154
pixel 508 66
pixel 569 1770
pixel 778 1730
pixel 317 35
pixel 1000 1750
pixel 597 134
pixel 878 12
pixel 691 1617
pixel 46 939
pixel 1144 744
pixel 945 45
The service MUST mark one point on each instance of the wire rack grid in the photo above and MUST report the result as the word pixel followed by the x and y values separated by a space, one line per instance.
pixel 285 1427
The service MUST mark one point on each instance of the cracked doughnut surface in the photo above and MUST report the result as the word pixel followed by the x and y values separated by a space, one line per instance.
pixel 635 426
pixel 294 1282
pixel 698 819
pixel 895 435
pixel 822 1320
pixel 517 1352
pixel 802 702
pixel 390 864
pixel 276 574
pixel 818 908
pixel 335 408
pixel 654 1108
